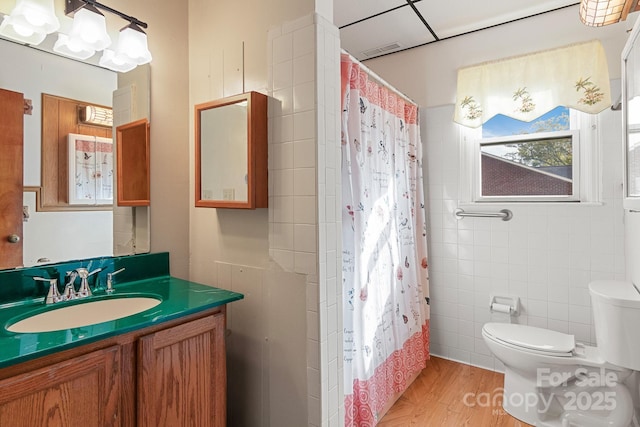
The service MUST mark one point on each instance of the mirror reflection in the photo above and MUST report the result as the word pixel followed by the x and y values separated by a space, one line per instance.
pixel 76 157
pixel 64 232
pixel 61 234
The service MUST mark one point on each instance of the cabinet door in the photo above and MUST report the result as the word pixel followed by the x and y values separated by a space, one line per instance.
pixel 231 152
pixel 11 161
pixel 182 375
pixel 132 167
pixel 82 391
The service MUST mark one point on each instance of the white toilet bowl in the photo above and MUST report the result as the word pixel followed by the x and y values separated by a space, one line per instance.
pixel 551 381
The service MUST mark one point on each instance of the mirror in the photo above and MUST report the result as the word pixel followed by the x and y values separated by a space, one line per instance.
pixel 631 118
pixel 67 234
pixel 231 152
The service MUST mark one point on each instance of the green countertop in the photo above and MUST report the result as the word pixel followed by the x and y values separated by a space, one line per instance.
pixel 179 298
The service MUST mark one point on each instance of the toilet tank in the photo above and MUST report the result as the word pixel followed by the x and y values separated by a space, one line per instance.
pixel 616 315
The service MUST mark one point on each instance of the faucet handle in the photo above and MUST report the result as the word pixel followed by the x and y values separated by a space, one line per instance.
pixel 110 280
pixel 81 272
pixel 84 273
pixel 53 295
pixel 69 290
pixel 97 270
pixel 72 276
pixel 85 289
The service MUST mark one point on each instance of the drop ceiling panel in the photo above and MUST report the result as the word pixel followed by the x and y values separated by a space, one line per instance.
pixel 482 14
pixel 400 26
pixel 348 11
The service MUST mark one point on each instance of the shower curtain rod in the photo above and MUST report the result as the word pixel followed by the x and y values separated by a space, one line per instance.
pixel 380 79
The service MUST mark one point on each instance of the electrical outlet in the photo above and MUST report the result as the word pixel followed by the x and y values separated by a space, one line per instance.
pixel 228 194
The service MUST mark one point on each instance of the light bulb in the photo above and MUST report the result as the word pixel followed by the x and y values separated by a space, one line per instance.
pixel 36 16
pixel 89 27
pixel 71 47
pixel 114 62
pixel 23 30
pixel 30 21
pixel 132 44
pixel 16 29
pixel 37 13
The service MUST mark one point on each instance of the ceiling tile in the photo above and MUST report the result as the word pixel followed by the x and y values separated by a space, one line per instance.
pixel 446 22
pixel 348 11
pixel 401 26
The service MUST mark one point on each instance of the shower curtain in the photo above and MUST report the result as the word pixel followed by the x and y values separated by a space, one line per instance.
pixel 385 276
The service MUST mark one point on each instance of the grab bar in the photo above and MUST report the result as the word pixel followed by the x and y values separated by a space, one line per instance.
pixel 505 214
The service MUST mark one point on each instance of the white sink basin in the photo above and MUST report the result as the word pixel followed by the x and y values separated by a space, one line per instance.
pixel 84 314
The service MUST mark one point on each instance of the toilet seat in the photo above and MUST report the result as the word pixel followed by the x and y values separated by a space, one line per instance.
pixel 531 339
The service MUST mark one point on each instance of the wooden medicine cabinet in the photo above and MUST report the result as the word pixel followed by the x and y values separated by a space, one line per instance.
pixel 132 148
pixel 231 152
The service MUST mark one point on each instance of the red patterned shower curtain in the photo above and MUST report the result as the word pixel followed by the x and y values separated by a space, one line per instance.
pixel 385 274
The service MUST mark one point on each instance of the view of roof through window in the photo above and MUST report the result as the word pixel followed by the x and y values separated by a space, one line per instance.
pixel 531 166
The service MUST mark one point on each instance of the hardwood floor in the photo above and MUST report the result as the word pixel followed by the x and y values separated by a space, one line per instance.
pixel 452 394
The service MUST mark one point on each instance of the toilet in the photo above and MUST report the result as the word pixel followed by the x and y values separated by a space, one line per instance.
pixel 550 380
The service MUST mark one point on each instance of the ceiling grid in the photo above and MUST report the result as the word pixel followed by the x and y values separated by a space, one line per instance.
pixel 373 28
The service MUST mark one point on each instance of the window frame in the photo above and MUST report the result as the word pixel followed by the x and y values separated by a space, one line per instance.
pixel 575 148
pixel 586 146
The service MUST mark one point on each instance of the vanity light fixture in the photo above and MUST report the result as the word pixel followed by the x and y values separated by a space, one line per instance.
pixel 30 21
pixel 72 48
pixel 132 45
pixel 597 13
pixel 95 115
pixel 88 35
pixel 115 63
pixel 130 51
pixel 89 28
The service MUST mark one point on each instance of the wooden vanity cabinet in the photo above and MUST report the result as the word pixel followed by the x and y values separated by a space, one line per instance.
pixel 173 374
pixel 181 380
pixel 83 391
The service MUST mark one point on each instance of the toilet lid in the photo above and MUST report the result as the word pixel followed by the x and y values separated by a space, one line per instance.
pixel 533 338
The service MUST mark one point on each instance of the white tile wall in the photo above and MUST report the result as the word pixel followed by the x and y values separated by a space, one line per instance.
pixel 547 254
pixel 304 166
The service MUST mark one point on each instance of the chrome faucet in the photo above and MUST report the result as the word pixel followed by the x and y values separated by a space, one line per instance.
pixel 85 289
pixel 54 295
pixel 110 280
pixel 69 291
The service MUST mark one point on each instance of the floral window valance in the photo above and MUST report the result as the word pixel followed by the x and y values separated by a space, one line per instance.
pixel 525 87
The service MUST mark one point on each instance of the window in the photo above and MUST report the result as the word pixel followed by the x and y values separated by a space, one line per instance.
pixel 539 161
pixel 529 160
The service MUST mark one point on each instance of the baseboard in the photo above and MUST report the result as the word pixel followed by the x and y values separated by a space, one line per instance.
pixel 464 362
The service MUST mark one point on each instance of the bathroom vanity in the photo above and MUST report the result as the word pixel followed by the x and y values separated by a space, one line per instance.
pixel 162 366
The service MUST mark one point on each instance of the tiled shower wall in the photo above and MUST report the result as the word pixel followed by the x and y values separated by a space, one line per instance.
pixel 546 255
pixel 304 180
